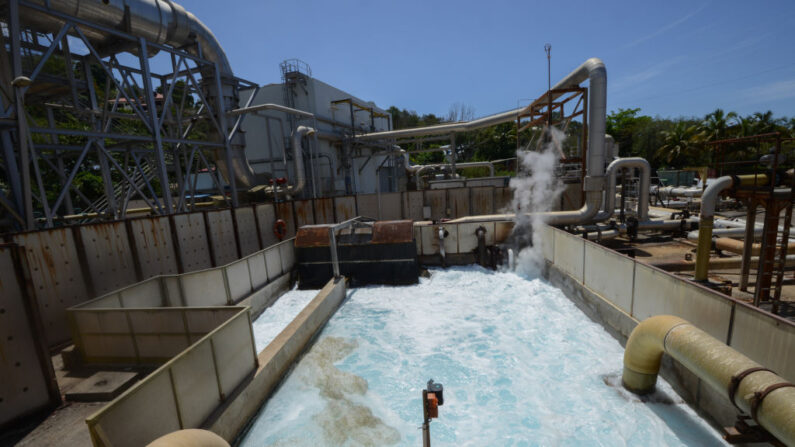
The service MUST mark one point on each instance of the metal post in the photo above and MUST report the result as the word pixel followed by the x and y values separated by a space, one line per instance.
pixel 162 172
pixel 745 267
pixel 333 246
pixel 452 153
pixel 221 111
pixel 19 103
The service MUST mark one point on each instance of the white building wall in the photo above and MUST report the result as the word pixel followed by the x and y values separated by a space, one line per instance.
pixel 264 135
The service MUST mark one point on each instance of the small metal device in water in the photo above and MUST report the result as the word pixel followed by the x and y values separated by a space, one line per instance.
pixel 432 399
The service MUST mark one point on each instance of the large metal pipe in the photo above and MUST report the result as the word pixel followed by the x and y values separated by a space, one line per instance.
pixel 758 391
pixel 593 70
pixel 298 159
pixel 708 201
pixel 162 22
pixel 610 192
pixel 190 437
pixel 418 169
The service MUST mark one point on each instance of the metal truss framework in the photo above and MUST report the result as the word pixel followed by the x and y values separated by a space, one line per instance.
pixel 64 113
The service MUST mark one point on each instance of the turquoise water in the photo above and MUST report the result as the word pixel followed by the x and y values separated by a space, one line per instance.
pixel 521 365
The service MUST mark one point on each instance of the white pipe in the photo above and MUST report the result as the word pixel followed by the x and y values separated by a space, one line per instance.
pixel 594 71
pixel 418 169
pixel 298 159
pixel 673 191
pixel 511 260
pixel 610 193
pixel 441 243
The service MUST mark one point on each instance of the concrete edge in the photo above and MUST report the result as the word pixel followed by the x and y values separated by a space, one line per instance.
pixel 277 359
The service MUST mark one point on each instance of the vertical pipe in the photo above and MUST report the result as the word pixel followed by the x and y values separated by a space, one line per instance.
pixel 745 267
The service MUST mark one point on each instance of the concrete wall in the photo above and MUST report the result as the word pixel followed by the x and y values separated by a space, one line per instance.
pixel 184 392
pixel 27 383
pixel 72 265
pixel 642 291
pixel 277 358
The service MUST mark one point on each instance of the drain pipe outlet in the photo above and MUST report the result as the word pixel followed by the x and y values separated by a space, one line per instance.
pixel 191 437
pixel 298 159
pixel 755 390
pixel 442 234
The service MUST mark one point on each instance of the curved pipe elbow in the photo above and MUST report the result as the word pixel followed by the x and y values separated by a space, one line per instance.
pixel 644 351
pixel 715 363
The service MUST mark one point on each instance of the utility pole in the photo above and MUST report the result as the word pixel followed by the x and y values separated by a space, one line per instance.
pixel 548 50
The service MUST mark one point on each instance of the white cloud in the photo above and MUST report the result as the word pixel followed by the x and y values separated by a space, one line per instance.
pixel 772 91
pixel 667 27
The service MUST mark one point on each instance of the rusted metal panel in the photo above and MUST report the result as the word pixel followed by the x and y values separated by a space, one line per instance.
pixel 57 278
pixel 391 206
pixel 502 199
pixel 303 213
pixel 193 246
pixel 222 236
pixel 24 386
pixel 266 216
pixel 324 211
pixel 313 236
pixel 345 208
pixel 108 255
pixel 437 200
pixel 392 232
pixel 153 246
pixel 284 211
pixel 414 203
pixel 247 230
pixel 459 202
pixel 367 204
pixel 482 200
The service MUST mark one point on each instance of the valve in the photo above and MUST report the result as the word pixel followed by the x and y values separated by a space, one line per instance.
pixel 432 399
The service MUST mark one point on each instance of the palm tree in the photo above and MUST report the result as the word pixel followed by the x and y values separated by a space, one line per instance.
pixel 765 123
pixel 716 125
pixel 681 141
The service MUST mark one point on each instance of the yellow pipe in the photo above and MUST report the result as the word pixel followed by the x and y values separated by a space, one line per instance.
pixel 714 363
pixel 735 246
pixel 191 437
pixel 704 245
pixel 751 180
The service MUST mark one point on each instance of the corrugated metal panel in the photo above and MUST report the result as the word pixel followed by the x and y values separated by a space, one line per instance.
pixel 459 202
pixel 367 204
pixel 153 246
pixel 391 206
pixel 266 216
pixel 23 386
pixel 56 276
pixel 247 230
pixel 437 200
pixel 222 236
pixel 482 200
pixel 284 211
pixel 414 202
pixel 303 213
pixel 108 254
pixel 193 247
pixel 502 199
pixel 324 211
pixel 345 208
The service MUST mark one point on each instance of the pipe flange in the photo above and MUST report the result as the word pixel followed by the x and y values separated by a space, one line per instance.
pixel 734 383
pixel 760 396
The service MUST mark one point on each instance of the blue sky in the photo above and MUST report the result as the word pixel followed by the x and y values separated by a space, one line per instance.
pixel 669 58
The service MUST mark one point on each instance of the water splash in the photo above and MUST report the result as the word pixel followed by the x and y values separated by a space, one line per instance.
pixel 536 190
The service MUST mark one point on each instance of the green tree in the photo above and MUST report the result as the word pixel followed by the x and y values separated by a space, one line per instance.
pixel 682 143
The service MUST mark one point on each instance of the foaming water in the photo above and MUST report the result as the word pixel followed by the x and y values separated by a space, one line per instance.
pixel 521 365
pixel 275 318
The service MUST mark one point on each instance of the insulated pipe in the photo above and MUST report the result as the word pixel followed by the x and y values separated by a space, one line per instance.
pixel 610 193
pixel 298 159
pixel 673 191
pixel 708 200
pixel 417 169
pixel 735 246
pixel 594 71
pixel 161 22
pixel 714 263
pixel 191 437
pixel 714 363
